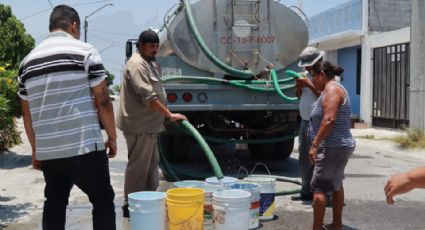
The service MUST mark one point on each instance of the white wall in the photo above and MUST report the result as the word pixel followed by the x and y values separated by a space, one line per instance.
pixel 331 56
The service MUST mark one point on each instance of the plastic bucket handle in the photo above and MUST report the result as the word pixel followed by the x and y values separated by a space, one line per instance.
pixel 188 219
pixel 262 164
pixel 241 168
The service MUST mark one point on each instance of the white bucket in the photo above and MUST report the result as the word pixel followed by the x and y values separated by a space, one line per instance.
pixel 208 205
pixel 147 210
pixel 189 184
pixel 226 180
pixel 254 189
pixel 267 195
pixel 231 209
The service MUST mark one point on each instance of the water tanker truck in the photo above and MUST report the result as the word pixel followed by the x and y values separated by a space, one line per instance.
pixel 223 65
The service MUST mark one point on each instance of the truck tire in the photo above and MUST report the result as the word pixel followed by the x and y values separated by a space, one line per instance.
pixel 175 147
pixel 261 151
pixel 283 149
pixel 279 150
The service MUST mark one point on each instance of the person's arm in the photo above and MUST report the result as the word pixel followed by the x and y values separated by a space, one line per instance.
pixel 159 107
pixel 105 112
pixel 26 116
pixel 404 182
pixel 104 109
pixel 298 89
pixel 331 102
pixel 305 82
pixel 139 80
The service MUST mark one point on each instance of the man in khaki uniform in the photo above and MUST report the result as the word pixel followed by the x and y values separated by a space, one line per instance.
pixel 141 116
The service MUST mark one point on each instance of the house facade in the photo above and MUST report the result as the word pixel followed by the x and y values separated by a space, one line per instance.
pixel 370 40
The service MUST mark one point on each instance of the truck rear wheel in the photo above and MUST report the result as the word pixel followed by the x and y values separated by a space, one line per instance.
pixel 279 150
pixel 283 149
pixel 175 147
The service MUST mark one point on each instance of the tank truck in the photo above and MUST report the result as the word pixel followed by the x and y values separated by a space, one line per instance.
pixel 217 60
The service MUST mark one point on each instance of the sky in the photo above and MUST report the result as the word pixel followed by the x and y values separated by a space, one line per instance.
pixel 109 28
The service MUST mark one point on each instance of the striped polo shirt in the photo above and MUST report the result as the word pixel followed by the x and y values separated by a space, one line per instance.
pixel 56 80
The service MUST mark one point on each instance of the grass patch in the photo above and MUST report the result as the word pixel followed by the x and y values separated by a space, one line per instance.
pixel 368 137
pixel 414 139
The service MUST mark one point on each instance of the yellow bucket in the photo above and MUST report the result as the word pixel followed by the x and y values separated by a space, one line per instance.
pixel 185 208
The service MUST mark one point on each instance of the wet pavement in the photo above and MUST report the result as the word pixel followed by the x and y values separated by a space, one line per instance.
pixel 21 191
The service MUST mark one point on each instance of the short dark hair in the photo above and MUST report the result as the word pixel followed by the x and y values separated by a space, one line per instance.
pixel 329 69
pixel 62 17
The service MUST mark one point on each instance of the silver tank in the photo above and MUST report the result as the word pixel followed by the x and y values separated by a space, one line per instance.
pixel 242 33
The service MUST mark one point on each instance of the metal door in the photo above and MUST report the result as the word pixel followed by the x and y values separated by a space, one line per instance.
pixel 391 81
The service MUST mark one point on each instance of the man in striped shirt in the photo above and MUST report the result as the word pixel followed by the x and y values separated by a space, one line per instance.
pixel 62 87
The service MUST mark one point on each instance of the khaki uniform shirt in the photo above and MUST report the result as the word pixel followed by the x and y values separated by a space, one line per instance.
pixel 140 84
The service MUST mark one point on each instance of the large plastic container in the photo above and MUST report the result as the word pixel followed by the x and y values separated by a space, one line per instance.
pixel 254 211
pixel 225 181
pixel 231 209
pixel 209 189
pixel 147 210
pixel 185 208
pixel 189 184
pixel 267 195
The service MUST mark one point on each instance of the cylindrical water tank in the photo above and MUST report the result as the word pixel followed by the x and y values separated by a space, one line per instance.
pixel 242 33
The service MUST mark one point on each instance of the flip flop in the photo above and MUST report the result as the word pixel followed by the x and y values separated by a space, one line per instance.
pixel 330 227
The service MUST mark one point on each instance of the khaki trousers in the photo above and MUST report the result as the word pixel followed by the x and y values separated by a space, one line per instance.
pixel 141 173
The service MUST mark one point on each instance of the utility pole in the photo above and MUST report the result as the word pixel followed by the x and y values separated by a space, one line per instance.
pixel 417 66
pixel 86 17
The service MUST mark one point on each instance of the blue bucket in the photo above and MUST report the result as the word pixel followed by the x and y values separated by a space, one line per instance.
pixel 147 210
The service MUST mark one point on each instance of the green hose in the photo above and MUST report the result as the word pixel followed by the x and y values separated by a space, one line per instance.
pixel 226 82
pixel 214 163
pixel 292 74
pixel 236 141
pixel 204 146
pixel 213 79
pixel 244 85
pixel 277 88
pixel 261 82
pixel 283 192
pixel 164 162
pixel 244 74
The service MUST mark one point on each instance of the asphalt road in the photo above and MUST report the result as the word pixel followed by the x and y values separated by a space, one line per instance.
pixel 21 191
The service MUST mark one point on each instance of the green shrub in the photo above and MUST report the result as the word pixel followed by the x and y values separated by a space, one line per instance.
pixel 9 109
pixel 9 135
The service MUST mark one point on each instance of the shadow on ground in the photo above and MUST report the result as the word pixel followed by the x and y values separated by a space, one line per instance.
pixel 11 160
pixel 11 212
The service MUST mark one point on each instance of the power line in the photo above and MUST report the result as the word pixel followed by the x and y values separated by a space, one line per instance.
pixel 45 10
pixel 108 41
pixel 114 33
pixel 35 14
pixel 91 3
pixel 50 4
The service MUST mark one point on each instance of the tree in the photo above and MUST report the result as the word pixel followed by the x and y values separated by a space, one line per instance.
pixel 110 81
pixel 15 44
pixel 116 89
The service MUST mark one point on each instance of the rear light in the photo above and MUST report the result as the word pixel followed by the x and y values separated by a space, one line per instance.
pixel 172 97
pixel 187 97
